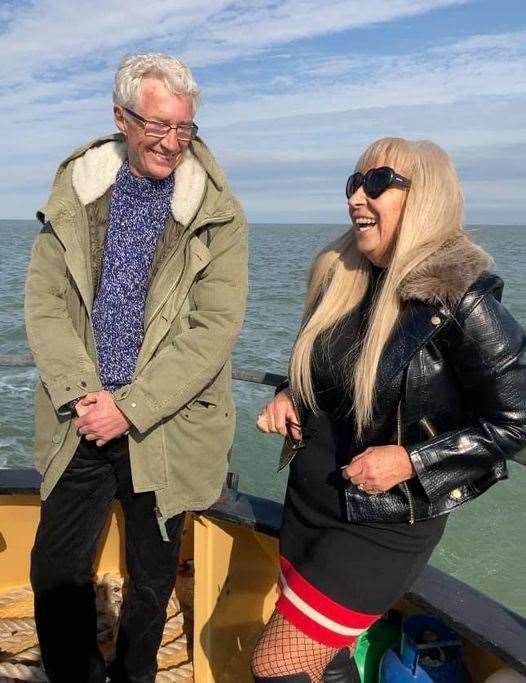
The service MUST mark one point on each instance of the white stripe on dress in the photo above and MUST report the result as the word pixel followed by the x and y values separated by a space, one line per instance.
pixel 310 612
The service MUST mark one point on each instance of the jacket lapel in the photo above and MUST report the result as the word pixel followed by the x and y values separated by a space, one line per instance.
pixel 418 323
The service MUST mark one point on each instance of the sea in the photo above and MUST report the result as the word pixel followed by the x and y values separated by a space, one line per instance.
pixel 485 541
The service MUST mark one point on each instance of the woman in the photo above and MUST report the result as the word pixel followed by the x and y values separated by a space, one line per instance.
pixel 407 392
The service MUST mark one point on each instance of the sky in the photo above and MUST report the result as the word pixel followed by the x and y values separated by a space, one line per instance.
pixel 292 92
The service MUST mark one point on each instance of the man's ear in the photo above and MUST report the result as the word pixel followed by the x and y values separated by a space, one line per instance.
pixel 120 120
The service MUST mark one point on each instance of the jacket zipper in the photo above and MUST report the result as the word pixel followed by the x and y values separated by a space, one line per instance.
pixel 182 245
pixel 428 426
pixel 403 485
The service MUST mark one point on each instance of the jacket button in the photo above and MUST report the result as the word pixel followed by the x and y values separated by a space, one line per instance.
pixel 83 384
pixel 456 494
pixel 68 388
pixel 133 405
pixel 435 320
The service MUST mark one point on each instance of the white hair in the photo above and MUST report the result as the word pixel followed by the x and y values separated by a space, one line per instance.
pixel 173 73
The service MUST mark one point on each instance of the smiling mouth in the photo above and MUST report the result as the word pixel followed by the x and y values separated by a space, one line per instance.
pixel 164 157
pixel 362 225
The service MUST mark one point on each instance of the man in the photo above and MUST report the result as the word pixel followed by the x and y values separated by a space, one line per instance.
pixel 134 298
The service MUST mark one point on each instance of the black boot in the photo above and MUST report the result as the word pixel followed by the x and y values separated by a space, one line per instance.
pixel 341 669
pixel 291 678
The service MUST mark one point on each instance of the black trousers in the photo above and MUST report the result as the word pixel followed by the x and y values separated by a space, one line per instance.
pixel 72 519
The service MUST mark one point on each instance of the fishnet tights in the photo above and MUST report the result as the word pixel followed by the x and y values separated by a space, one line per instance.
pixel 283 650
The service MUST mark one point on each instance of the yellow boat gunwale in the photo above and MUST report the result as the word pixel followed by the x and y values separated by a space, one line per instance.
pixel 479 620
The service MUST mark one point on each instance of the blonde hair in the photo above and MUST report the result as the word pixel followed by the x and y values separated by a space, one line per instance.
pixel 172 72
pixel 340 274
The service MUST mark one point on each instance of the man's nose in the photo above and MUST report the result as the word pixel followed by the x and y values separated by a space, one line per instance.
pixel 170 142
pixel 358 198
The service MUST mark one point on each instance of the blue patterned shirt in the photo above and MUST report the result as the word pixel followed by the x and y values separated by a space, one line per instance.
pixel 138 212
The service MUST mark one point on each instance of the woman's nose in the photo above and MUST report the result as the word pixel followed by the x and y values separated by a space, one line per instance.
pixel 358 198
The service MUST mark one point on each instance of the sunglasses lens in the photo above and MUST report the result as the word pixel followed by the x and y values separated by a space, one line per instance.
pixel 353 183
pixel 377 181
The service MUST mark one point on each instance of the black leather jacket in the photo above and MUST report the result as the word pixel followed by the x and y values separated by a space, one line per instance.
pixel 462 409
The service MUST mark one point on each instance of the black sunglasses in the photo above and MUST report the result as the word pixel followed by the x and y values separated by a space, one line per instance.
pixel 375 181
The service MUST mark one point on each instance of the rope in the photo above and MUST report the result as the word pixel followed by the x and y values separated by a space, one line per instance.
pixel 16 644
pixel 32 654
pixel 21 672
pixel 18 639
pixel 17 604
pixel 13 626
pixel 173 676
pixel 173 654
pixel 173 628
pixel 173 607
pixel 108 601
pixel 15 595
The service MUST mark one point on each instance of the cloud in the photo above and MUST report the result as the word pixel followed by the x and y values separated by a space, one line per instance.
pixel 204 32
pixel 452 73
pixel 255 26
pixel 286 114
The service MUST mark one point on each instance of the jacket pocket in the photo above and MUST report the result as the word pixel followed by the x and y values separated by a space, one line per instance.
pixel 148 458
pixel 46 449
pixel 200 437
pixel 51 429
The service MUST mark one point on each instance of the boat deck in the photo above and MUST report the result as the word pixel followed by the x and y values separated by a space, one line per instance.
pixel 20 654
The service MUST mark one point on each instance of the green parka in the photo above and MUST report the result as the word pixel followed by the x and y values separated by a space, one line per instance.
pixel 179 401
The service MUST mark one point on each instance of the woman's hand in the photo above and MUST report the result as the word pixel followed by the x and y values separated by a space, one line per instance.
pixel 379 468
pixel 279 417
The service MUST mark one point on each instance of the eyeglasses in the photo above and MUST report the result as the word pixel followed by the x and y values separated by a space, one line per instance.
pixel 375 181
pixel 184 131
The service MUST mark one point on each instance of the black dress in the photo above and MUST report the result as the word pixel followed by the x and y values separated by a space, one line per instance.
pixel 338 577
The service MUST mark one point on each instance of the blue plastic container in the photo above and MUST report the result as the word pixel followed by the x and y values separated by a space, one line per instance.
pixel 430 652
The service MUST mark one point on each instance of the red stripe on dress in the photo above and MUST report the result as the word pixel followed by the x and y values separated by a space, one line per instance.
pixel 311 628
pixel 321 603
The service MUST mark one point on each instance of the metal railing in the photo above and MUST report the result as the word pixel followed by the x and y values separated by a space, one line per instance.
pixel 256 377
pixel 25 360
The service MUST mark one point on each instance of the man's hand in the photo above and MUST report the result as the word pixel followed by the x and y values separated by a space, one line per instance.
pixel 99 418
pixel 279 417
pixel 82 405
pixel 379 468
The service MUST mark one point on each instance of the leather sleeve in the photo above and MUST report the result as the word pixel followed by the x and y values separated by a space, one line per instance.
pixel 489 359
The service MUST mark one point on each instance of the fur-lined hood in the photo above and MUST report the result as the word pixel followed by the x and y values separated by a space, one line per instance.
pixel 95 166
pixel 445 276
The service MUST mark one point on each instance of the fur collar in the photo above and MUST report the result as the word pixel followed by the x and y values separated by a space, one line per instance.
pixel 95 171
pixel 446 275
